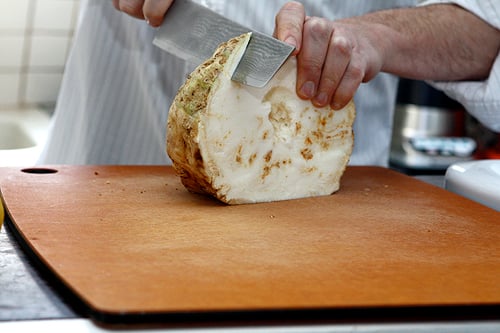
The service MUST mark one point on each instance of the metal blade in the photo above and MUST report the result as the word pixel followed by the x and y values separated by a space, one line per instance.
pixel 193 32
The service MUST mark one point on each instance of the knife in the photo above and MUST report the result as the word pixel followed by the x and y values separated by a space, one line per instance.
pixel 193 32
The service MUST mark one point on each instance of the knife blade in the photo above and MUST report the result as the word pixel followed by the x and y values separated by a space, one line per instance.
pixel 193 32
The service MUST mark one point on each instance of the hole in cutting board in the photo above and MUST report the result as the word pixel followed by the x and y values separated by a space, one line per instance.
pixel 39 170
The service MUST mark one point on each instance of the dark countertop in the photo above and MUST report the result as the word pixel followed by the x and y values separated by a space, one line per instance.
pixel 24 293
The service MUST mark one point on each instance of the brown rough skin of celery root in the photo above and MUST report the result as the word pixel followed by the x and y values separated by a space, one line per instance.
pixel 191 100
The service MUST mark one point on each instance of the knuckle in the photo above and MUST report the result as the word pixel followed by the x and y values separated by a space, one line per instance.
pixel 341 45
pixel 355 72
pixel 318 28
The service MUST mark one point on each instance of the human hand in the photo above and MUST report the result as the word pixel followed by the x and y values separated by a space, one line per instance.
pixel 334 57
pixel 152 11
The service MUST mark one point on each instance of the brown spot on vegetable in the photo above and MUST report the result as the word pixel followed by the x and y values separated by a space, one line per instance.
pixel 298 127
pixel 268 156
pixel 252 158
pixel 306 154
pixel 310 169
pixel 238 154
pixel 266 172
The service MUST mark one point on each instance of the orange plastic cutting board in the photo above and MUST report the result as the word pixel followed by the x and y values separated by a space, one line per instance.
pixel 131 240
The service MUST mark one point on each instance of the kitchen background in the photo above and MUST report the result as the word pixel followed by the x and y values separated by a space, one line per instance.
pixel 36 37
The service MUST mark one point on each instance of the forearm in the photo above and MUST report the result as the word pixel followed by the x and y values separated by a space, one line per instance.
pixel 438 42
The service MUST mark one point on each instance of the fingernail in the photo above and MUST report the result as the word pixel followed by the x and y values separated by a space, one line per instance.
pixel 321 99
pixel 291 41
pixel 307 89
pixel 336 106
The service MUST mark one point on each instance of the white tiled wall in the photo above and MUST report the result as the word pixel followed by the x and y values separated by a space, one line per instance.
pixel 35 38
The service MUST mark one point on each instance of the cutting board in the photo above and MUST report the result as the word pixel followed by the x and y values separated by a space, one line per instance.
pixel 130 240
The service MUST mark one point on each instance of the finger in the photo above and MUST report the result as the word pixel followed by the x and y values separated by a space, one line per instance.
pixel 130 7
pixel 350 82
pixel 288 24
pixel 154 11
pixel 336 62
pixel 312 56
